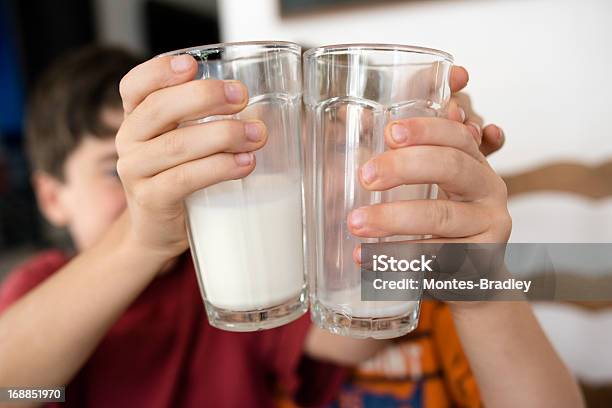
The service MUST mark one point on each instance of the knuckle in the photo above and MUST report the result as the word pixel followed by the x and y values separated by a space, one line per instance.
pixel 197 97
pixel 225 135
pixel 498 188
pixel 124 87
pixel 151 107
pixel 503 188
pixel 174 144
pixel 392 212
pixel 454 163
pixel 120 142
pixel 443 215
pixel 182 178
pixel 416 127
pixel 386 167
pixel 232 131
pixel 220 167
pixel 211 88
pixel 502 223
pixel 123 140
pixel 506 220
pixel 478 134
pixel 123 169
pixel 195 89
pixel 507 223
pixel 467 137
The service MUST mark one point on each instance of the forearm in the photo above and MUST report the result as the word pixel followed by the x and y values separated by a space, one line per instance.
pixel 512 360
pixel 46 336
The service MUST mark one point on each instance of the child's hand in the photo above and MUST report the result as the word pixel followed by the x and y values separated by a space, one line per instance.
pixel 160 163
pixel 490 138
pixel 472 204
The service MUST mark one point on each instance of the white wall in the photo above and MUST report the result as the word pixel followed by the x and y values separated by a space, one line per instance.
pixel 540 68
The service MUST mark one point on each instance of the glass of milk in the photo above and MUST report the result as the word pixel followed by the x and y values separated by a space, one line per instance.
pixel 246 235
pixel 351 92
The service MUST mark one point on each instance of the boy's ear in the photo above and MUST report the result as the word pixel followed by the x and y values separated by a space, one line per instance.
pixel 48 190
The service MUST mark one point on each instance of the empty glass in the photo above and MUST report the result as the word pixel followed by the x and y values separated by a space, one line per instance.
pixel 351 93
pixel 246 235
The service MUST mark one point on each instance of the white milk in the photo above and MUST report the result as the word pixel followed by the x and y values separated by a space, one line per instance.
pixel 247 238
pixel 348 301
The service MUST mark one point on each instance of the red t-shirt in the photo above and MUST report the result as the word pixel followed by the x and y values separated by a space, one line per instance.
pixel 163 353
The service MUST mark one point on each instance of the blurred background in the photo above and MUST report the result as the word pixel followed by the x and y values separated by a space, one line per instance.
pixel 539 68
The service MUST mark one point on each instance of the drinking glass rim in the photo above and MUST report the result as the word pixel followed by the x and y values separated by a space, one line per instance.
pixel 329 49
pixel 281 45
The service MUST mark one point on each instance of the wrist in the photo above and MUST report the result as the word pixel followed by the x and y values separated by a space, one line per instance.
pixel 122 242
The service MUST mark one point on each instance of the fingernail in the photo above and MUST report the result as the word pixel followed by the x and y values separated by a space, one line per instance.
pixel 461 114
pixel 399 133
pixel 357 219
pixel 244 159
pixel 368 172
pixel 233 92
pixel 502 135
pixel 181 63
pixel 253 131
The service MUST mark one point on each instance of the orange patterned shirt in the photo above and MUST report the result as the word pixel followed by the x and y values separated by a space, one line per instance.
pixel 424 369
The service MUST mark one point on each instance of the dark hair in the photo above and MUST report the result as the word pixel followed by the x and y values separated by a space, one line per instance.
pixel 67 102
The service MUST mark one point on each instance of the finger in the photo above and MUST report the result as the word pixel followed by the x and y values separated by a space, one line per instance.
pixel 191 143
pixel 164 109
pixel 472 118
pixel 459 78
pixel 455 112
pixel 476 131
pixel 444 218
pixel 435 132
pixel 154 74
pixel 180 181
pixel 457 173
pixel 492 140
pixel 463 99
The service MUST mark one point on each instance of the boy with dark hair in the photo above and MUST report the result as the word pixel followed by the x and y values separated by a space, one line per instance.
pixel 75 109
pixel 122 322
pixel 159 351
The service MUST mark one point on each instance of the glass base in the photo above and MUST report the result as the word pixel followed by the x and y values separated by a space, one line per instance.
pixel 363 327
pixel 260 319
